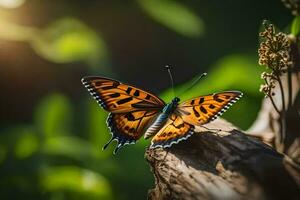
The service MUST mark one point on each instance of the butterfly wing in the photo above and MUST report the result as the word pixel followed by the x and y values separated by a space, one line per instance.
pixel 197 111
pixel 117 97
pixel 127 128
pixel 132 109
pixel 174 131
pixel 204 109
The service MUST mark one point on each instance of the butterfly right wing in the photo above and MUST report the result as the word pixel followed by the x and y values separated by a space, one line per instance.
pixel 197 111
pixel 174 131
pixel 203 109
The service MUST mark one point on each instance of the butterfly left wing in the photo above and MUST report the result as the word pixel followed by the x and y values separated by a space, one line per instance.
pixel 174 131
pixel 203 109
pixel 132 109
pixel 127 128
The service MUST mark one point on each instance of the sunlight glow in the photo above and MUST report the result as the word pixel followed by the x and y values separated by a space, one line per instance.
pixel 11 3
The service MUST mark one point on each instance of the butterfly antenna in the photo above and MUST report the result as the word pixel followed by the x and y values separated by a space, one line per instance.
pixel 171 78
pixel 193 83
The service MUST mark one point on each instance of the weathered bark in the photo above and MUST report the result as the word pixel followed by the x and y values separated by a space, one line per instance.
pixel 225 164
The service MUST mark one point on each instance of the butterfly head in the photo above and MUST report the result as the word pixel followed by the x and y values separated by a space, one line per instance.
pixel 170 107
pixel 175 100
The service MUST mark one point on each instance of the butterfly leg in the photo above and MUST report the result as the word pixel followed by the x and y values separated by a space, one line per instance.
pixel 211 129
pixel 106 145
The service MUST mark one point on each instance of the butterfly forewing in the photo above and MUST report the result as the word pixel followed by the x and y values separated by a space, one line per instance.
pixel 117 97
pixel 203 109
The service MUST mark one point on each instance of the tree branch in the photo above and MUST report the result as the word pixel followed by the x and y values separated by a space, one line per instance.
pixel 223 165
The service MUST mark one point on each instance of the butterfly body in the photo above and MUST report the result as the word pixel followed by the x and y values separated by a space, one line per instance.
pixel 134 112
pixel 162 118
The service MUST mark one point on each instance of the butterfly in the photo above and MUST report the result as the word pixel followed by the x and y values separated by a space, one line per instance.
pixel 133 112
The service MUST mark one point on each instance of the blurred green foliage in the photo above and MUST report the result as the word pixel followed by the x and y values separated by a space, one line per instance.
pixel 174 16
pixel 295 28
pixel 68 165
pixel 53 116
pixel 78 183
pixel 69 40
pixel 63 41
pixel 57 154
pixel 26 145
pixel 43 142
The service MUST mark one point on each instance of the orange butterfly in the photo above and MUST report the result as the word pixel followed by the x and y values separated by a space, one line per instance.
pixel 134 112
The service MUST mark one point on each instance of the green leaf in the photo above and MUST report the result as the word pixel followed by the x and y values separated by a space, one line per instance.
pixel 295 26
pixel 27 144
pixel 75 182
pixel 69 40
pixel 65 40
pixel 19 140
pixel 53 116
pixel 71 147
pixel 175 16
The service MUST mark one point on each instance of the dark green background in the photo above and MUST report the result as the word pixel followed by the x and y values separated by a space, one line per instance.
pixel 52 131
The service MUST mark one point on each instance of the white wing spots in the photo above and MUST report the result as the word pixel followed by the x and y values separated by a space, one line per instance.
pixel 121 140
pixel 93 92
pixel 230 103
pixel 168 144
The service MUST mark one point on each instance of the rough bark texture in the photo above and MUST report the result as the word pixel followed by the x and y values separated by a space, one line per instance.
pixel 225 164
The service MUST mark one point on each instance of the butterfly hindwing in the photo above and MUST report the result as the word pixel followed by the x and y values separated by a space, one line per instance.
pixel 204 109
pixel 174 131
pixel 117 97
pixel 127 128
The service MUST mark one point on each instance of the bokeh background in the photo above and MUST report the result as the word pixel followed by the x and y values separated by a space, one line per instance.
pixel 52 131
